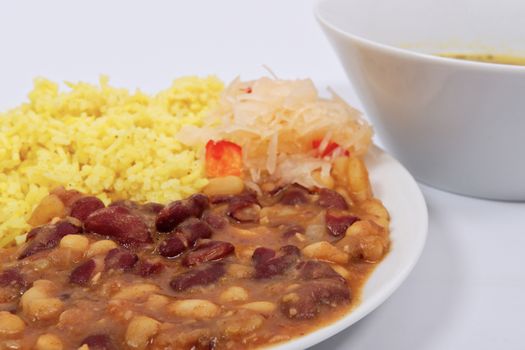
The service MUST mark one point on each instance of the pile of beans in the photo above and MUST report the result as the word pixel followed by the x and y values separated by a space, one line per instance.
pixel 229 269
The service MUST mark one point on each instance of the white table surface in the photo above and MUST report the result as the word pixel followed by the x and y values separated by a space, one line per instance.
pixel 468 289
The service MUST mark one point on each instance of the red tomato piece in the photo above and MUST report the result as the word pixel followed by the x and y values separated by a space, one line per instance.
pixel 329 149
pixel 223 158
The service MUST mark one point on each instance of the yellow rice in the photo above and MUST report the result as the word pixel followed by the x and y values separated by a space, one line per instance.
pixel 100 140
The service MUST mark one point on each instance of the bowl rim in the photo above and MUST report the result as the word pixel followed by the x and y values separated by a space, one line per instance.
pixel 412 54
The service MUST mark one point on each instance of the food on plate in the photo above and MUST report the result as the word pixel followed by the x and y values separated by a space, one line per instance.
pixel 102 140
pixel 224 271
pixel 276 241
pixel 285 129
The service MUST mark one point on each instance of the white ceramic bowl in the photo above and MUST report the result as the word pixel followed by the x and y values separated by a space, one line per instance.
pixel 456 125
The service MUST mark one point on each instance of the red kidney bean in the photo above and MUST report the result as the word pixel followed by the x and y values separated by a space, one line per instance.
pixel 290 250
pixel 244 208
pixel 262 254
pixel 119 223
pixel 98 342
pixel 294 194
pixel 245 212
pixel 206 275
pixel 208 251
pixel 331 199
pixel 147 268
pixel 64 228
pixel 329 291
pixel 293 229
pixel 200 202
pixel 311 269
pixel 312 295
pixel 250 197
pixel 194 229
pixel 82 273
pixel 245 197
pixel 34 247
pixel 172 215
pixel 215 221
pixel 84 206
pixel 321 286
pixel 171 247
pixel 288 256
pixel 48 236
pixel 13 278
pixel 120 259
pixel 220 199
pixel 32 234
pixel 176 212
pixel 337 225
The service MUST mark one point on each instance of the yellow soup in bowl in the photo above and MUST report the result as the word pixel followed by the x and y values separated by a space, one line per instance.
pixel 487 58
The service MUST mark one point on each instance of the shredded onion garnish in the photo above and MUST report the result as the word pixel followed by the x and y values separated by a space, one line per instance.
pixel 276 122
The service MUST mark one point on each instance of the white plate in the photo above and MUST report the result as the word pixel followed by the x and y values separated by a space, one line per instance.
pixel 401 195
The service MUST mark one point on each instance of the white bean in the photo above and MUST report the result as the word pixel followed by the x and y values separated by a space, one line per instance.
pixel 140 331
pixel 48 341
pixel 227 185
pixel 263 307
pixel 100 247
pixel 240 271
pixel 41 289
pixel 44 309
pixel 136 292
pixel 195 308
pixel 246 324
pixel 341 270
pixel 75 242
pixel 10 324
pixel 234 293
pixel 157 302
pixel 325 251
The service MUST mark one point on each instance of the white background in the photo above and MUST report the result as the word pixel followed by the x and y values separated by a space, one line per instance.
pixel 467 291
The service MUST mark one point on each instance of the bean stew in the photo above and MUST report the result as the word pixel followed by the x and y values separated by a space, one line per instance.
pixel 223 270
